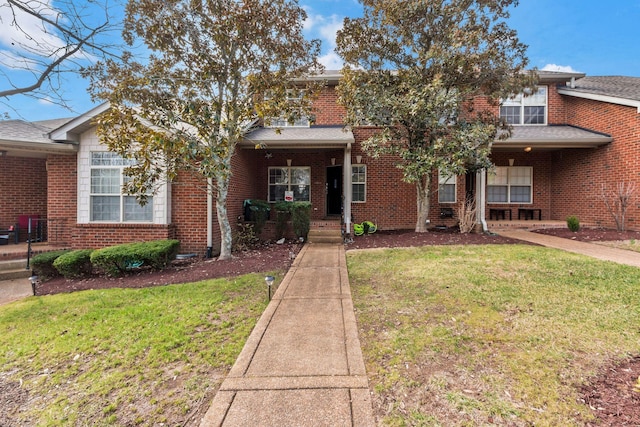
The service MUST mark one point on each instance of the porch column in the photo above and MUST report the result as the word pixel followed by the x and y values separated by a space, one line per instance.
pixel 481 197
pixel 346 188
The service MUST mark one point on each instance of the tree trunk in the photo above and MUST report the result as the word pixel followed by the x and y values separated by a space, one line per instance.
pixel 222 185
pixel 423 190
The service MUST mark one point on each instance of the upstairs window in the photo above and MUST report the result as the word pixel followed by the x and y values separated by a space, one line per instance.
pixel 513 184
pixel 108 204
pixel 294 179
pixel 526 110
pixel 293 96
pixel 446 188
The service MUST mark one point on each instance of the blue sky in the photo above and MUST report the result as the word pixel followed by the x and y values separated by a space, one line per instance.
pixel 595 37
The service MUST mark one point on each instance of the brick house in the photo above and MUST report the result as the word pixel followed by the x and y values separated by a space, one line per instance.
pixel 574 135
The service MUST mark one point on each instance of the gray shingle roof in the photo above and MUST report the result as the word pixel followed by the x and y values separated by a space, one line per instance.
pixel 317 136
pixel 21 131
pixel 552 137
pixel 616 86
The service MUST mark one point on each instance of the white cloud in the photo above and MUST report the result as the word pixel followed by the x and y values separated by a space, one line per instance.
pixel 325 28
pixel 561 68
pixel 331 61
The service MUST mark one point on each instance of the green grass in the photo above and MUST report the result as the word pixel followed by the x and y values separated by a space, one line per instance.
pixel 489 335
pixel 126 356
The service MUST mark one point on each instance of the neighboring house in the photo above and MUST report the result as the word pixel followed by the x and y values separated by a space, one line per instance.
pixel 573 136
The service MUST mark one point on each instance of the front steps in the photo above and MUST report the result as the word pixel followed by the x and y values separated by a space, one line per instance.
pixel 14 269
pixel 325 232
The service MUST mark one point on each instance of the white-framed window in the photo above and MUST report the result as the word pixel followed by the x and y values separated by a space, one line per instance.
pixel 107 203
pixel 293 96
pixel 526 110
pixel 289 178
pixel 358 183
pixel 446 188
pixel 510 184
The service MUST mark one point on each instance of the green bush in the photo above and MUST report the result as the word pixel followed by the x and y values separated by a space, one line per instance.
pixel 573 223
pixel 300 215
pixel 259 212
pixel 42 264
pixel 116 260
pixel 74 264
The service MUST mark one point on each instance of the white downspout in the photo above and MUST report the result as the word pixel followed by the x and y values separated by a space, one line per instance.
pixel 209 217
pixel 347 189
pixel 481 197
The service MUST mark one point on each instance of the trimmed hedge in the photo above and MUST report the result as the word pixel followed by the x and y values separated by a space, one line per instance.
pixel 74 264
pixel 42 264
pixel 116 260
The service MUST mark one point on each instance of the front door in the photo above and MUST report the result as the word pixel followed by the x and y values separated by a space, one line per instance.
pixel 334 190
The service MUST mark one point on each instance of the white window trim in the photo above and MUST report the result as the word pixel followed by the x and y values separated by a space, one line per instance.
pixel 523 104
pixel 289 168
pixel 448 180
pixel 509 202
pixel 89 142
pixel 279 122
pixel 359 183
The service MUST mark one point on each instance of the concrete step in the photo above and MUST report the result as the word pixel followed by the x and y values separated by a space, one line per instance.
pixel 14 269
pixel 325 235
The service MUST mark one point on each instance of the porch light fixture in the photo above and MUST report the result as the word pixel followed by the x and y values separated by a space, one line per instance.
pixel 333 161
pixel 359 159
pixel 511 162
pixel 269 281
pixel 527 149
pixel 289 162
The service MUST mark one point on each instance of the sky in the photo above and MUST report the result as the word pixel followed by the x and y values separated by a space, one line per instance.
pixel 594 37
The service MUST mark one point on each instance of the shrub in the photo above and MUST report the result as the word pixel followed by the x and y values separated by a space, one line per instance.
pixel 115 260
pixel 42 264
pixel 300 215
pixel 573 223
pixel 257 211
pixel 245 237
pixel 74 264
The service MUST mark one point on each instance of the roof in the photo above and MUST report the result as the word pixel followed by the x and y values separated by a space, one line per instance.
pixel 621 90
pixel 551 137
pixel 300 137
pixel 31 138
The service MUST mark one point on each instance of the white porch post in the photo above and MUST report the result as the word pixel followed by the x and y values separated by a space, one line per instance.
pixel 346 188
pixel 481 197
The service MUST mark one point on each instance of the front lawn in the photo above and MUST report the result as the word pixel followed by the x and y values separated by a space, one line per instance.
pixel 124 356
pixel 489 335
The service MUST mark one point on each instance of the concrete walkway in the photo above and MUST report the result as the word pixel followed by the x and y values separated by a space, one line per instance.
pixel 302 364
pixel 621 256
pixel 14 289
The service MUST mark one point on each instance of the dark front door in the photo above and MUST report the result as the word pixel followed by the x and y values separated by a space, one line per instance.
pixel 334 190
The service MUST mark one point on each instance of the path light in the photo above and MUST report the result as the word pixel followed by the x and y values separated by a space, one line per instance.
pixel 34 281
pixel 269 280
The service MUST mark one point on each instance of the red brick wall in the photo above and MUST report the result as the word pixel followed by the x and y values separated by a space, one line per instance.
pixel 578 175
pixel 326 108
pixel 23 190
pixel 62 198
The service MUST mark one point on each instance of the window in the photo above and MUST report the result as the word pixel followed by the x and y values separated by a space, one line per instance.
pixel 510 185
pixel 446 188
pixel 108 204
pixel 295 179
pixel 526 110
pixel 294 97
pixel 359 183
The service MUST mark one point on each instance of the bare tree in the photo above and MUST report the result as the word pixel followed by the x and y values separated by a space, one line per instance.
pixel 618 200
pixel 41 42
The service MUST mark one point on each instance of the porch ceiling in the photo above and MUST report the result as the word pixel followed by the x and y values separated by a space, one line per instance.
pixel 300 137
pixel 551 137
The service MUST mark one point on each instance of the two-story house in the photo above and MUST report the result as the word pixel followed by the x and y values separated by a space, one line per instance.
pixel 575 135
